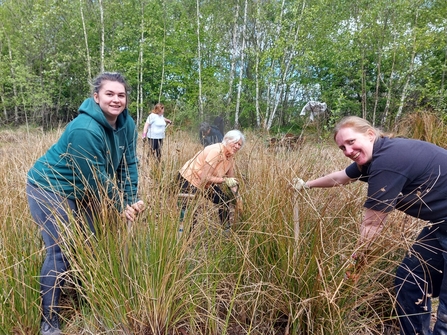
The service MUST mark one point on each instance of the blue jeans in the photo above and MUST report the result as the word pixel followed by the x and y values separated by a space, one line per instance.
pixel 45 207
pixel 422 275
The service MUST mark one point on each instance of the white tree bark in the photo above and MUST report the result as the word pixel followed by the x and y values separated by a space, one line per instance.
pixel 279 87
pixel 241 68
pixel 163 56
pixel 87 50
pixel 389 87
pixel 199 62
pixel 409 76
pixel 140 106
pixel 101 12
pixel 233 55
pixel 258 110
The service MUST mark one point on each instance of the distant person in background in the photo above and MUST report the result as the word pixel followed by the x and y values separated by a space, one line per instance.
pixel 209 134
pixel 93 160
pixel 155 130
pixel 210 168
pixel 220 124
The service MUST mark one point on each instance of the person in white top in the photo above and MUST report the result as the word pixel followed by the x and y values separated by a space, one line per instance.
pixel 155 130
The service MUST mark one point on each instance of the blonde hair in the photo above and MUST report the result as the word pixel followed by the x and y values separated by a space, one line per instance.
pixel 359 125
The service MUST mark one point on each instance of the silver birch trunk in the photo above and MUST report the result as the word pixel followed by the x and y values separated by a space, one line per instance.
pixel 258 112
pixel 409 76
pixel 163 59
pixel 389 87
pixel 199 62
pixel 241 68
pixel 376 93
pixel 101 12
pixel 140 107
pixel 87 50
pixel 233 55
pixel 279 88
pixel 268 118
pixel 363 81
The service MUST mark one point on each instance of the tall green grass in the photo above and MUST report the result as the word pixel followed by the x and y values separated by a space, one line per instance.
pixel 260 278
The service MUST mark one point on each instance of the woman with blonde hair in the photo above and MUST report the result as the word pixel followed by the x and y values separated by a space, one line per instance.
pixel 410 176
pixel 155 130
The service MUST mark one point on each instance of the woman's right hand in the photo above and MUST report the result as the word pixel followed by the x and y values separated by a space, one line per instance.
pixel 299 184
pixel 231 182
pixel 132 211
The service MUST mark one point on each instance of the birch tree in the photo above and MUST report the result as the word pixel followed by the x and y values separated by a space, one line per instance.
pixel 287 57
pixel 233 54
pixel 199 62
pixel 87 51
pixel 409 74
pixel 140 67
pixel 102 45
pixel 241 67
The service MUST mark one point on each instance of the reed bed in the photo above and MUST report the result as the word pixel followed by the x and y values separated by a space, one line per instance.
pixel 270 274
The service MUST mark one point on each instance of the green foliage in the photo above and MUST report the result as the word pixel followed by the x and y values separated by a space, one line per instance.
pixel 364 58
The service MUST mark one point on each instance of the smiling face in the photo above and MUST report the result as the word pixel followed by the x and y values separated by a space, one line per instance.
pixel 356 146
pixel 112 99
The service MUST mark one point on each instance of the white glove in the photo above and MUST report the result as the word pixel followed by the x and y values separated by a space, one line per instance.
pixel 299 184
pixel 231 182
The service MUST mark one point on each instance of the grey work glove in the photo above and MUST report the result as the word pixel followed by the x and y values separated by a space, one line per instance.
pixel 231 182
pixel 299 184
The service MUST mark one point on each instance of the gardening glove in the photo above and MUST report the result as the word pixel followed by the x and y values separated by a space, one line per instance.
pixel 299 184
pixel 231 182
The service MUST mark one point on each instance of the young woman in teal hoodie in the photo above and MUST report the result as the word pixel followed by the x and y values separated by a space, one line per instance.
pixel 93 163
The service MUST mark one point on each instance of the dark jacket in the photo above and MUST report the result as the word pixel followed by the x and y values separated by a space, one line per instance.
pixel 215 136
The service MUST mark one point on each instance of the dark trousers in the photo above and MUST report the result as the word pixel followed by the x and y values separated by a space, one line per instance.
pixel 155 145
pixel 47 209
pixel 422 275
pixel 214 193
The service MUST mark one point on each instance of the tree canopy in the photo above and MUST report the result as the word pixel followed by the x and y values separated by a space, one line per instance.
pixel 256 63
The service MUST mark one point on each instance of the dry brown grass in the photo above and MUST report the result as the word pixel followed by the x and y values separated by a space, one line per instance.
pixel 260 279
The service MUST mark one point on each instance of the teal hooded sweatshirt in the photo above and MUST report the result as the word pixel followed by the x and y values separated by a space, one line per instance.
pixel 91 159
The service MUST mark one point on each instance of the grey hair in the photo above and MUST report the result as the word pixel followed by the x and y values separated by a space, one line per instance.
pixel 233 136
